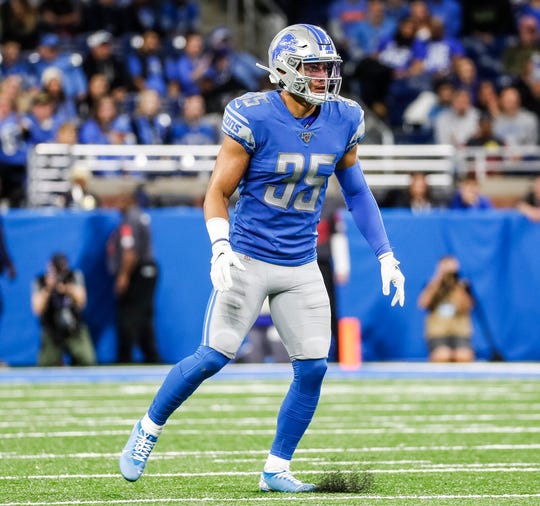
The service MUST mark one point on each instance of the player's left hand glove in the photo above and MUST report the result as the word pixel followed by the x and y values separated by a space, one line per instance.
pixel 390 273
pixel 223 257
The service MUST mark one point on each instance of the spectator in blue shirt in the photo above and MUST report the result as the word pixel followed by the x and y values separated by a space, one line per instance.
pixel 53 84
pixel 41 125
pixel 186 71
pixel 396 51
pixel 151 126
pixel 468 195
pixel 436 55
pixel 12 63
pixel 69 64
pixel 107 126
pixel 369 33
pixel 386 71
pixel 193 127
pixel 146 65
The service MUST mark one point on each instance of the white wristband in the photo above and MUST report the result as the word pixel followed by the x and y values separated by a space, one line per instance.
pixel 218 229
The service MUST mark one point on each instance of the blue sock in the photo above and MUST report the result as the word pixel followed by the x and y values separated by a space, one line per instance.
pixel 298 406
pixel 183 379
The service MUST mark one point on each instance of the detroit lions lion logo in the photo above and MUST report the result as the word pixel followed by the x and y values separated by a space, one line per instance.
pixel 287 43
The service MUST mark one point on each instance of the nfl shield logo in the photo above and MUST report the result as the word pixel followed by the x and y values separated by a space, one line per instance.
pixel 306 136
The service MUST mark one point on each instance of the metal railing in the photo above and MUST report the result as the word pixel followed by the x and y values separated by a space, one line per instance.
pixel 385 166
pixel 50 166
pixel 503 160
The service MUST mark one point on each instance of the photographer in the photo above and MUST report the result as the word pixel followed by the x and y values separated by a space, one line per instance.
pixel 448 325
pixel 58 298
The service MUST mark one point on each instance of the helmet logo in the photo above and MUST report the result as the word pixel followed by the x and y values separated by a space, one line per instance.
pixel 287 43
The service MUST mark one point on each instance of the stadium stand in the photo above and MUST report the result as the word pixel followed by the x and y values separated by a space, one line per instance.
pixel 121 49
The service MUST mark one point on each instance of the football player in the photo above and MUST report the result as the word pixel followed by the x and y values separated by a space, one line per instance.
pixel 279 150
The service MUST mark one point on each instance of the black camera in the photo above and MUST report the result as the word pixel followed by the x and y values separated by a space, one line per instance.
pixel 64 316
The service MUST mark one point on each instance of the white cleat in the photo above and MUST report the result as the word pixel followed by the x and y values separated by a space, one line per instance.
pixel 136 453
pixel 283 481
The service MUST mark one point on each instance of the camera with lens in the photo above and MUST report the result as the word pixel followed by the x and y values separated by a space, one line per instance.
pixel 65 317
pixel 62 314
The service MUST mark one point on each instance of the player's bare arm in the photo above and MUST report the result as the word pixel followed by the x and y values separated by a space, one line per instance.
pixel 348 159
pixel 231 163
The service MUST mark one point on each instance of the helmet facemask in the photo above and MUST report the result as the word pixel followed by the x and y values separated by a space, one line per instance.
pixel 326 81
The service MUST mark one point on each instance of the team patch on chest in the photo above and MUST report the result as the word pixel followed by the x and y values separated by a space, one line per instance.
pixel 305 135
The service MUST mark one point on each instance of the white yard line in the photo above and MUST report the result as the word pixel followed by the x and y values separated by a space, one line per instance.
pixel 278 498
pixel 433 429
pixel 258 421
pixel 269 390
pixel 434 391
pixel 20 408
pixel 300 451
pixel 362 387
pixel 15 409
pixel 448 469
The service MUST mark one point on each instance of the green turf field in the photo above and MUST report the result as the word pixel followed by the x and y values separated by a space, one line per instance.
pixel 411 442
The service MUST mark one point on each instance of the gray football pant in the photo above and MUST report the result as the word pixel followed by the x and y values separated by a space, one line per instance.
pixel 298 304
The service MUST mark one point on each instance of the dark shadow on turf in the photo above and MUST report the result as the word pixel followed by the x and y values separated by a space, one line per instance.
pixel 355 482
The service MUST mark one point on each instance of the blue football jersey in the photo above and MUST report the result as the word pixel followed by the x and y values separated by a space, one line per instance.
pixel 282 191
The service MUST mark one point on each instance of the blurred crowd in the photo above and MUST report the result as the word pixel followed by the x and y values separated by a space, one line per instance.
pixel 153 72
pixel 111 72
pixel 411 60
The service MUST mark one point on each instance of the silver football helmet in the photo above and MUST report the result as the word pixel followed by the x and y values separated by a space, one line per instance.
pixel 300 54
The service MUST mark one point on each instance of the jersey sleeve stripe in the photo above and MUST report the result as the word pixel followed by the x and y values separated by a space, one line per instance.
pixel 359 134
pixel 237 126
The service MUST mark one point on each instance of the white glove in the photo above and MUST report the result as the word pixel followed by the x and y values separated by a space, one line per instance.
pixel 390 273
pixel 222 259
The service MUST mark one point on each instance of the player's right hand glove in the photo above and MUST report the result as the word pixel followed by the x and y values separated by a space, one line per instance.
pixel 223 257
pixel 390 273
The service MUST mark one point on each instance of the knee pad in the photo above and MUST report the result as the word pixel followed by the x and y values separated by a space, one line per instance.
pixel 309 374
pixel 205 362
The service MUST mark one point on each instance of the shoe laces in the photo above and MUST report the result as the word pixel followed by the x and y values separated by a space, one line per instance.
pixel 143 447
pixel 287 475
